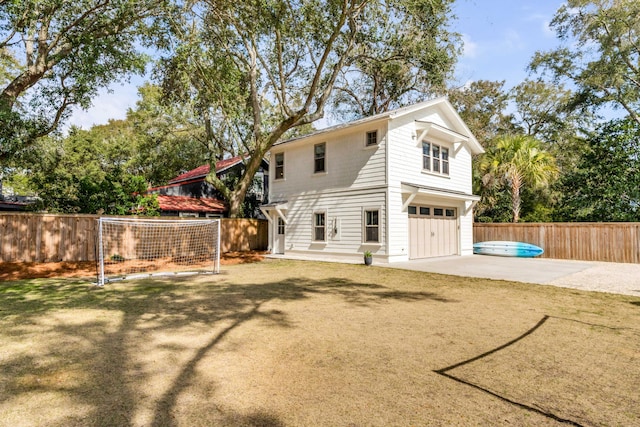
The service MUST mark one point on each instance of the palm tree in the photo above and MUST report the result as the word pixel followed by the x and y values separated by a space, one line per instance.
pixel 517 160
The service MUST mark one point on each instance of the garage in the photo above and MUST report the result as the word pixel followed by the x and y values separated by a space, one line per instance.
pixel 433 231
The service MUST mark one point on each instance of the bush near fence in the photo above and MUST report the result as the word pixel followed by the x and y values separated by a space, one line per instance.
pixel 588 241
pixel 27 237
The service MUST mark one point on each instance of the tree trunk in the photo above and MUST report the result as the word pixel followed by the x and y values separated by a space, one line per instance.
pixel 235 205
pixel 238 194
pixel 516 183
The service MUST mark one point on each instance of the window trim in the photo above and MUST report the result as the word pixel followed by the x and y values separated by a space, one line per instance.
pixel 426 156
pixel 432 211
pixel 439 163
pixel 445 163
pixel 323 158
pixel 366 138
pixel 275 168
pixel 314 227
pixel 363 216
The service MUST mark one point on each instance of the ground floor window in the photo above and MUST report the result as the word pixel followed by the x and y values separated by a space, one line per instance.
pixel 372 226
pixel 319 227
pixel 280 226
pixel 431 211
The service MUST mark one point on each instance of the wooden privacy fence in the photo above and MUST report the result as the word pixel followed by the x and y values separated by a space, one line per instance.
pixel 588 241
pixel 53 238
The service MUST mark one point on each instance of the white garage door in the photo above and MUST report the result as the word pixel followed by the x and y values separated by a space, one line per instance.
pixel 433 231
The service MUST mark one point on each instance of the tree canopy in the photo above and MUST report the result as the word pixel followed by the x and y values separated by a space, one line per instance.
pixel 236 77
pixel 516 161
pixel 403 54
pixel 605 186
pixel 257 70
pixel 84 173
pixel 601 55
pixel 482 105
pixel 58 53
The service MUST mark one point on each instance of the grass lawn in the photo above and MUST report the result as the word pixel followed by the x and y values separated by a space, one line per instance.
pixel 286 343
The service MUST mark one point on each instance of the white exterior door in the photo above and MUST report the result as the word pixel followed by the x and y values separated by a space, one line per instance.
pixel 433 232
pixel 278 239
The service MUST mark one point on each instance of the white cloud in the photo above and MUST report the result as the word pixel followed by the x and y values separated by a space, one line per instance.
pixel 544 22
pixel 547 31
pixel 108 104
pixel 513 41
pixel 470 48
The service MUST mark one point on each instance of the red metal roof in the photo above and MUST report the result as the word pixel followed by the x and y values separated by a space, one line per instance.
pixel 202 171
pixel 190 204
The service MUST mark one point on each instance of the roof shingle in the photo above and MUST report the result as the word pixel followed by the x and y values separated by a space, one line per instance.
pixel 191 204
pixel 202 171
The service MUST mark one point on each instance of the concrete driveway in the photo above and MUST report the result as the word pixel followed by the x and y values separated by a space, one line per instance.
pixel 585 275
pixel 609 277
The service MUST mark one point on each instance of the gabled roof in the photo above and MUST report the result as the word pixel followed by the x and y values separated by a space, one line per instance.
pixel 199 172
pixel 13 206
pixel 203 171
pixel 444 103
pixel 191 204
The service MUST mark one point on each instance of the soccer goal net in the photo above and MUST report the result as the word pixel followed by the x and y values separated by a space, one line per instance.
pixel 132 248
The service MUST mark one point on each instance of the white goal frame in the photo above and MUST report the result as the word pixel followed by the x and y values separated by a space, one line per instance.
pixel 128 248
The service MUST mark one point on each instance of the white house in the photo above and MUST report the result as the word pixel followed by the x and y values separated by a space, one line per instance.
pixel 397 184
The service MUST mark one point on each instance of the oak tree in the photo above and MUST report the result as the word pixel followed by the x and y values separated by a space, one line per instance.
pixel 258 70
pixel 57 53
pixel 600 55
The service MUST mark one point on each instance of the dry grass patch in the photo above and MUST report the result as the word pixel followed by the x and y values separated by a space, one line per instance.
pixel 282 343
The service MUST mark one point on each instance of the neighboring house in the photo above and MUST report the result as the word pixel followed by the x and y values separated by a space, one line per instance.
pixel 11 202
pixel 16 203
pixel 189 194
pixel 398 184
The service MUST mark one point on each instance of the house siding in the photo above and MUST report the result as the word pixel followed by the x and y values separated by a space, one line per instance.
pixel 405 159
pixel 405 165
pixel 354 179
pixel 357 177
pixel 343 209
pixel 348 163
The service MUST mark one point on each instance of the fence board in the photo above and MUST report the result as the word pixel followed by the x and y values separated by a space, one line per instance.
pixel 28 237
pixel 588 241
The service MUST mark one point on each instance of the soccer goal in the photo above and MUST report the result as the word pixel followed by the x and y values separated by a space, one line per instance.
pixel 132 248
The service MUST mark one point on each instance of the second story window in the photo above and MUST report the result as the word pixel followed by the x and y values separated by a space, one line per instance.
pixel 445 160
pixel 372 138
pixel 279 173
pixel 319 151
pixel 426 156
pixel 435 158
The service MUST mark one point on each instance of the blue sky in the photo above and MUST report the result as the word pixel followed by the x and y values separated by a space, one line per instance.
pixel 500 38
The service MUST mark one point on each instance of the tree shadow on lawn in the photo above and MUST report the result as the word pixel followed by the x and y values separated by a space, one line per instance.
pixel 106 322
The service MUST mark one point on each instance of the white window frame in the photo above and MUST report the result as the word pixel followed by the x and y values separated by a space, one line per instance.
pixel 432 211
pixel 366 138
pixel 275 166
pixel 444 162
pixel 430 161
pixel 324 158
pixel 366 209
pixel 189 215
pixel 426 165
pixel 313 226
